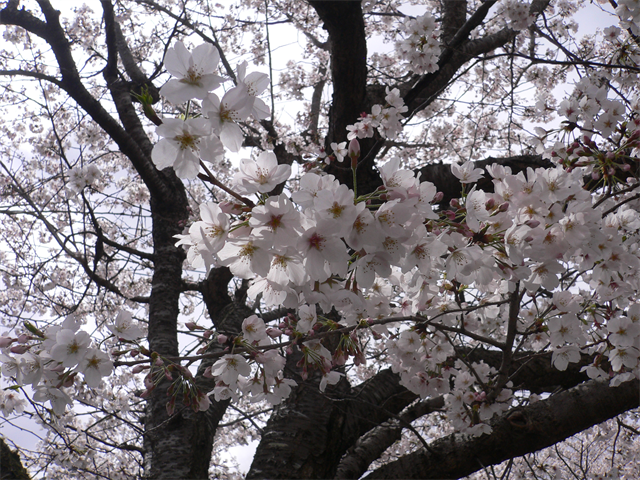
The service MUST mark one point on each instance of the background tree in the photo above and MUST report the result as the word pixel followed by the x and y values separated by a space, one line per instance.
pixel 90 225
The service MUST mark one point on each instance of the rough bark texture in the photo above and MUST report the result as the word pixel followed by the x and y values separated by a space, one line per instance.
pixel 11 467
pixel 527 372
pixel 352 96
pixel 309 433
pixel 344 22
pixel 226 315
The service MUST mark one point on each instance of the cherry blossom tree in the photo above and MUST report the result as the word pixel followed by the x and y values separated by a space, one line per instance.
pixel 410 253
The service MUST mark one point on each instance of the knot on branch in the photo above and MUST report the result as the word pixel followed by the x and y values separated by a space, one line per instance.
pixel 519 419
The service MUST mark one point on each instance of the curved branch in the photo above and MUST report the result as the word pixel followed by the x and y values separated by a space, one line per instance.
pixel 519 431
pixel 26 73
pixel 371 445
pixel 11 464
pixel 528 372
pixel 458 52
pixel 52 32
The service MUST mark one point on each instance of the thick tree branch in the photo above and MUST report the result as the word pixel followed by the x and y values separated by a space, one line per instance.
pixel 52 32
pixel 372 444
pixel 458 52
pixel 520 431
pixel 316 98
pixel 440 174
pixel 531 372
pixel 345 25
pixel 453 19
pixel 27 73
pixel 137 76
pixel 10 464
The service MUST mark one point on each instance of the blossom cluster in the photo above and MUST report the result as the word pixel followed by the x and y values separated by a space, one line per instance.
pixel 185 142
pixel 322 247
pixel 590 106
pixel 81 177
pixel 392 265
pixel 420 48
pixel 386 119
pixel 50 360
pixel 517 14
pixel 233 372
pixel 629 13
pixel 597 119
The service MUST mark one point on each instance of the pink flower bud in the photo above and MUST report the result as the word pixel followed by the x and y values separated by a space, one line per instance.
pixel 203 402
pixel 354 148
pixel 231 208
pixel 192 326
pixel 625 167
pixel 454 203
pixel 19 349
pixel 274 332
pixel 139 368
pixel 503 207
pixel 6 341
pixel 69 380
pixel 532 223
pixel 326 365
pixel 437 198
pixel 354 152
pixel 595 175
pixel 24 338
pixel 222 339
pixel 340 360
pixel 134 353
pixel 207 373
pixel 171 406
pixel 207 334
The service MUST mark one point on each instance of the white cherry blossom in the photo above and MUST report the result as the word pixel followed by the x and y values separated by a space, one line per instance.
pixel 180 146
pixel 261 175
pixel 194 72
